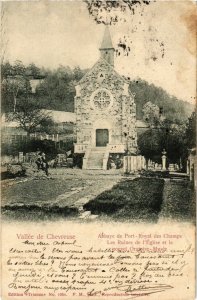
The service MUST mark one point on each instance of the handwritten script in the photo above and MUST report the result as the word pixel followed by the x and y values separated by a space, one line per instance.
pixel 121 265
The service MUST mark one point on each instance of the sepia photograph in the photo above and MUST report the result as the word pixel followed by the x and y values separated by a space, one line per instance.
pixel 98 138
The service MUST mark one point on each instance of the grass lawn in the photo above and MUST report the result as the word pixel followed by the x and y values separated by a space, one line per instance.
pixel 43 198
pixel 38 191
pixel 34 197
pixel 179 201
pixel 36 214
pixel 139 199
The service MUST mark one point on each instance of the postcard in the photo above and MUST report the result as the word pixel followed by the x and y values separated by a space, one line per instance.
pixel 98 148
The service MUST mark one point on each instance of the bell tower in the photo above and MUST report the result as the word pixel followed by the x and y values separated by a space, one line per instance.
pixel 107 49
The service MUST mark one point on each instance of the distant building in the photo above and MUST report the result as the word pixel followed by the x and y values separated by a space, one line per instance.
pixel 34 83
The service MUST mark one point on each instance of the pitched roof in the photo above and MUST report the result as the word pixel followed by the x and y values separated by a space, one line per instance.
pixel 61 116
pixel 106 42
pixel 99 62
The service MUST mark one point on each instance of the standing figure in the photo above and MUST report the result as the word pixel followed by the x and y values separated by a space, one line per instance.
pixel 45 165
pixel 39 161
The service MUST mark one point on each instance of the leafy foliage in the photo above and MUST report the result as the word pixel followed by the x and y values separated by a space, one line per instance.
pixel 151 113
pixel 150 144
pixel 190 134
pixel 175 110
pixel 13 88
pixel 176 139
pixel 166 115
pixel 30 116
pixel 19 102
pixel 15 83
pixel 55 91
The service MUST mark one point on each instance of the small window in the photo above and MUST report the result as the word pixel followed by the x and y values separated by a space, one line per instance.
pixel 101 76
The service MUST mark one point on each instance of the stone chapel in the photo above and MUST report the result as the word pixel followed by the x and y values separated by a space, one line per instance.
pixel 105 112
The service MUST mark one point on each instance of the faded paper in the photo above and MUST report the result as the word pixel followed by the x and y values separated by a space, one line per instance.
pixel 102 259
pixel 79 261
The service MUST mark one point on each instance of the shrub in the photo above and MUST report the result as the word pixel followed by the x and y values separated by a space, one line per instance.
pixel 158 174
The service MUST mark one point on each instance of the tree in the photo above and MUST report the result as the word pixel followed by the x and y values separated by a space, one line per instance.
pixel 57 91
pixel 163 134
pixel 14 84
pixel 174 141
pixel 33 70
pixel 12 87
pixel 30 116
pixel 6 70
pixel 152 114
pixel 78 73
pixel 175 110
pixel 168 136
pixel 150 144
pixel 19 68
pixel 190 133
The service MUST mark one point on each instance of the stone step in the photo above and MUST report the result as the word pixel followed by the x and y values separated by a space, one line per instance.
pixel 97 154
pixel 99 149
pixel 94 168
pixel 100 159
pixel 94 153
pixel 95 158
pixel 95 163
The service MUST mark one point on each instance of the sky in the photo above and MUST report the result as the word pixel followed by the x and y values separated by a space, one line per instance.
pixel 161 38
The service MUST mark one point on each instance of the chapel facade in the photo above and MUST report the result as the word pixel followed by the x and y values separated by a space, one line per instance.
pixel 105 112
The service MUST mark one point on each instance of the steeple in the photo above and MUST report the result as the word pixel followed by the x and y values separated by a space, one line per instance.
pixel 107 49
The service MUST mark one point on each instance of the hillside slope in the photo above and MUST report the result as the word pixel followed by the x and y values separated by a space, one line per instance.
pixel 174 109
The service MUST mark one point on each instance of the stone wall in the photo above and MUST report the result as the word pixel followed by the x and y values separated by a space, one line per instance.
pixel 115 112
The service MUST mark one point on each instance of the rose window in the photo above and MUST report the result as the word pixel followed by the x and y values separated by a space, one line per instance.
pixel 102 99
